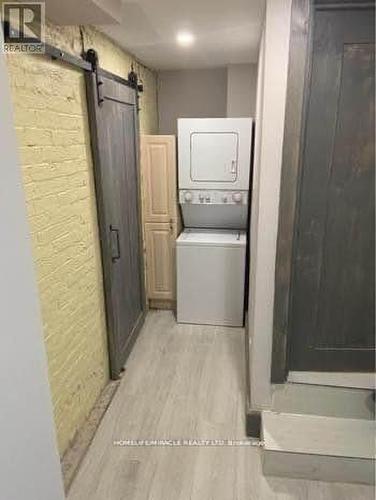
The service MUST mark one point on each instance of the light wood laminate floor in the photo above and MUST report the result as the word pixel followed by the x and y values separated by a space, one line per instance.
pixel 185 382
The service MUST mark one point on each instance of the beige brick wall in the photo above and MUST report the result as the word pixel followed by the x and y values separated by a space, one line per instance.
pixel 52 127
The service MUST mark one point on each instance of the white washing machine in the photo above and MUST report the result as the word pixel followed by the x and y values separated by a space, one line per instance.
pixel 210 276
pixel 214 171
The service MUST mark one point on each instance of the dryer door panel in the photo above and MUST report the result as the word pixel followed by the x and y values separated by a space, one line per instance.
pixel 214 153
pixel 214 156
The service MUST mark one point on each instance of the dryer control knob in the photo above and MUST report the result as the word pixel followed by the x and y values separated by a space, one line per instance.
pixel 237 197
pixel 188 196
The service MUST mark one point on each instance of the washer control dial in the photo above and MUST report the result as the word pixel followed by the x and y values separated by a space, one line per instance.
pixel 237 197
pixel 188 196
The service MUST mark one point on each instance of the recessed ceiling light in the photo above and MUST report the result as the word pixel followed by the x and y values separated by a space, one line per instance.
pixel 185 38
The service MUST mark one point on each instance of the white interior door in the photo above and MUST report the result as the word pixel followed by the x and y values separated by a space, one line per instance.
pixel 214 156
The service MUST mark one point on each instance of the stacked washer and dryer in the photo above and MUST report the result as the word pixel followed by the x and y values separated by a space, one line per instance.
pixel 214 170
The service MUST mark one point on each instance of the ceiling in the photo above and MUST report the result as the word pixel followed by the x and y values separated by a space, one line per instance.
pixel 226 32
pixel 69 12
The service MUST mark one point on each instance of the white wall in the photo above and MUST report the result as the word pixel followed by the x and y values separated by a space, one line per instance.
pixel 270 114
pixel 241 90
pixel 29 463
pixel 191 94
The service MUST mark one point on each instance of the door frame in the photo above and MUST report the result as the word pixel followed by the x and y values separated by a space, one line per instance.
pixel 93 101
pixel 298 81
pixel 296 97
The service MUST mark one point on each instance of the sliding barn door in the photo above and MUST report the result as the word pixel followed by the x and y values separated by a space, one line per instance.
pixel 333 289
pixel 113 121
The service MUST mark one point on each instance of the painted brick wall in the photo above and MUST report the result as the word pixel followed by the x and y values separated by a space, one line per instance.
pixel 52 127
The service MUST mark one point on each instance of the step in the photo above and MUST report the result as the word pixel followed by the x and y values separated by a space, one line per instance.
pixel 341 402
pixel 318 447
pixel 335 379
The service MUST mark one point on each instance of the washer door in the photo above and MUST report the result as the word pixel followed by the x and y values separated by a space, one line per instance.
pixel 214 156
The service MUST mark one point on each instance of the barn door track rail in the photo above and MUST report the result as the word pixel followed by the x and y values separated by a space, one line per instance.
pixel 88 62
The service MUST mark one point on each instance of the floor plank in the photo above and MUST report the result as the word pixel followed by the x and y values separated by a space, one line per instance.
pixel 185 382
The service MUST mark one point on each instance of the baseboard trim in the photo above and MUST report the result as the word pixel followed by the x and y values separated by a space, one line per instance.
pixel 253 424
pixel 162 304
pixel 76 452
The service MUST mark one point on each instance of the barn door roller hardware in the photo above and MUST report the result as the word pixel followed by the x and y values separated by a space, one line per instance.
pixel 91 57
pixel 133 82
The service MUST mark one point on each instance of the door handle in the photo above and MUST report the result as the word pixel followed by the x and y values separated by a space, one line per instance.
pixel 115 243
pixel 233 167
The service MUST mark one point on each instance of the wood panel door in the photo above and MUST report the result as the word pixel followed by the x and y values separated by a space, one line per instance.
pixel 160 216
pixel 332 301
pixel 113 123
pixel 159 177
pixel 160 258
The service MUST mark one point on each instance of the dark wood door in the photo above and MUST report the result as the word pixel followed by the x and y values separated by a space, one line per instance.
pixel 113 120
pixel 332 297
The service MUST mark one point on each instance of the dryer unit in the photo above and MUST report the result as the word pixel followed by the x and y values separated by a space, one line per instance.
pixel 214 166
